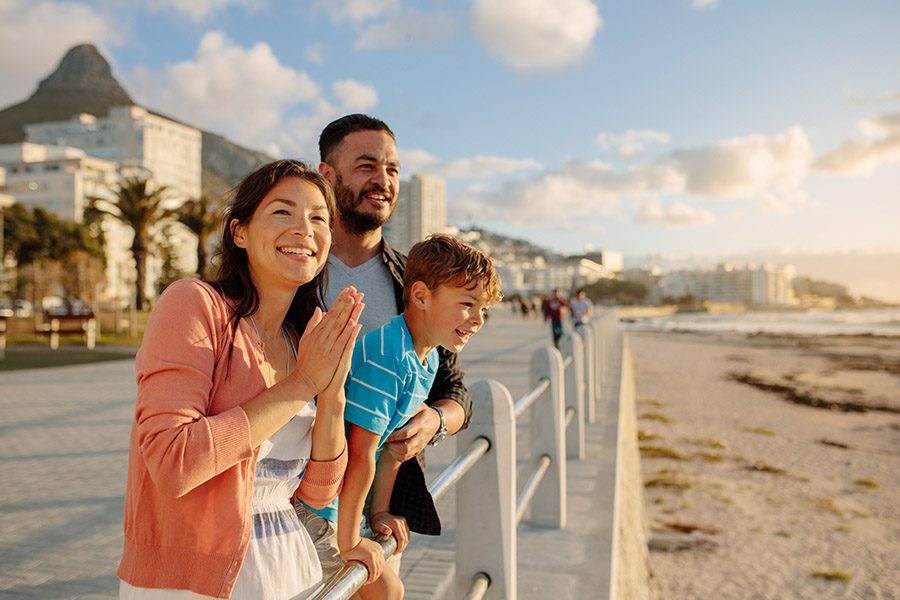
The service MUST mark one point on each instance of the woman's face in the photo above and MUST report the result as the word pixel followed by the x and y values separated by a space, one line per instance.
pixel 288 237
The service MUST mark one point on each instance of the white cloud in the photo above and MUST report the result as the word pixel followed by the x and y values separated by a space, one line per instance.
pixel 632 141
pixel 34 36
pixel 299 137
pixel 765 170
pixel 745 167
pixel 536 34
pixel 563 196
pixel 416 160
pixel 703 4
pixel 314 53
pixel 862 158
pixel 409 26
pixel 356 11
pixel 675 214
pixel 888 96
pixel 481 167
pixel 199 10
pixel 240 91
pixel 354 96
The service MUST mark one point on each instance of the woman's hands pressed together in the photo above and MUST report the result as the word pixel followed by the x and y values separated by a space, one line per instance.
pixel 326 346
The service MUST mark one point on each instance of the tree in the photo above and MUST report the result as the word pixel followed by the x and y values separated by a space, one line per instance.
pixel 617 291
pixel 201 219
pixel 138 206
pixel 61 253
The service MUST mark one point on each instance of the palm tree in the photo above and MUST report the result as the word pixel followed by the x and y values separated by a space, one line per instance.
pixel 138 206
pixel 202 220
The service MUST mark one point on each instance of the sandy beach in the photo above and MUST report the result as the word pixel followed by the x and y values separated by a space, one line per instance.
pixel 771 464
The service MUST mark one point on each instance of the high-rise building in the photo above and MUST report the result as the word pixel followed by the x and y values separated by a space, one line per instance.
pixel 141 144
pixel 135 139
pixel 421 210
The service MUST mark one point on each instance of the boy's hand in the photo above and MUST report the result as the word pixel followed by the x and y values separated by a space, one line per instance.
pixel 386 524
pixel 369 553
pixel 409 440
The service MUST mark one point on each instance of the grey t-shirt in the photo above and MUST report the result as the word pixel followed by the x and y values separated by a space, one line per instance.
pixel 373 279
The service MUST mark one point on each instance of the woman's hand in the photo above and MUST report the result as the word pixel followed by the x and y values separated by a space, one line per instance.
pixel 327 342
pixel 368 553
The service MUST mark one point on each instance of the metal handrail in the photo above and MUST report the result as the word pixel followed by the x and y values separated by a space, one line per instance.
pixel 352 576
pixel 531 486
pixel 568 361
pixel 480 584
pixel 458 467
pixel 528 399
pixel 570 414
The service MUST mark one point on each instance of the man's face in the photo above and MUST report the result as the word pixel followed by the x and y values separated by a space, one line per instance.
pixel 364 171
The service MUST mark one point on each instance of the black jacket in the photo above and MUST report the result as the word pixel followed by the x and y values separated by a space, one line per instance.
pixel 410 497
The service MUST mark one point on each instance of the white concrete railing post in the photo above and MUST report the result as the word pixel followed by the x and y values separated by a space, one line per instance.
pixel 591 393
pixel 486 496
pixel 601 356
pixel 570 345
pixel 548 507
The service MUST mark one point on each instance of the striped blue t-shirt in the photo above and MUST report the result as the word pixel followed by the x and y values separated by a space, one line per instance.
pixel 386 384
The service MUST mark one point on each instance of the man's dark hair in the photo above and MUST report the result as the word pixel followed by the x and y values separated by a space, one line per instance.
pixel 335 132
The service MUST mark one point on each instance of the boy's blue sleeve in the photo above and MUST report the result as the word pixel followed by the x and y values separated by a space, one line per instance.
pixel 373 389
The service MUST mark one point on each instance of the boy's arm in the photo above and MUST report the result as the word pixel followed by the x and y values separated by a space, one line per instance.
pixel 361 444
pixel 380 517
pixel 447 392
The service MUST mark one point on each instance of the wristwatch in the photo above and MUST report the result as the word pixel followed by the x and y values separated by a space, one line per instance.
pixel 442 430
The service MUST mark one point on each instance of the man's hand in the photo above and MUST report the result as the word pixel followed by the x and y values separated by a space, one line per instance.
pixel 386 524
pixel 369 553
pixel 412 438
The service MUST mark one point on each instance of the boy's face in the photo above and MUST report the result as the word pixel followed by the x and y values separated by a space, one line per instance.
pixel 455 314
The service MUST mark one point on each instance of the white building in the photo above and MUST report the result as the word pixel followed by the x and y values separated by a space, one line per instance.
pixel 58 179
pixel 541 276
pixel 134 138
pixel 142 144
pixel 421 210
pixel 751 285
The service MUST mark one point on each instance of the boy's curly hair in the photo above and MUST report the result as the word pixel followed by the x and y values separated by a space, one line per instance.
pixel 441 259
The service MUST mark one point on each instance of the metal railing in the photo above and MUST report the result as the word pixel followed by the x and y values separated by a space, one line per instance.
pixel 566 385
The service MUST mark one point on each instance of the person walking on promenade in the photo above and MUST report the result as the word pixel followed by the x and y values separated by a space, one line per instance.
pixel 359 158
pixel 240 406
pixel 581 308
pixel 447 289
pixel 553 308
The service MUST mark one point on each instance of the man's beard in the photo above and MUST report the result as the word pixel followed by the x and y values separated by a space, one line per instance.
pixel 353 220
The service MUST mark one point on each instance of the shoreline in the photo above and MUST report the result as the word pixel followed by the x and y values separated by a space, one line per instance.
pixel 750 495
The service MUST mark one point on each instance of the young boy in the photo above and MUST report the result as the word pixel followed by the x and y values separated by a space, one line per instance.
pixel 447 288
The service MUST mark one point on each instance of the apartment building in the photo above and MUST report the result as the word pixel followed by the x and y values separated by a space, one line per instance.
pixel 421 210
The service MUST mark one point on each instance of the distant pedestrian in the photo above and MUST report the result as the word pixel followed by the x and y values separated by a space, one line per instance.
pixel 581 308
pixel 553 307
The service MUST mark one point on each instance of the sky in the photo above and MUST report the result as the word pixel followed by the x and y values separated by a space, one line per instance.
pixel 672 129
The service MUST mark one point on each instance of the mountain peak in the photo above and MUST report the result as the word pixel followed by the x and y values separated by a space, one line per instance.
pixel 83 70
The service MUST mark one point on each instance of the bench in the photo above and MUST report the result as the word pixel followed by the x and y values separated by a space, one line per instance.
pixel 84 325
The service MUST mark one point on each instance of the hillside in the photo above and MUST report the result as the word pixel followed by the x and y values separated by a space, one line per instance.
pixel 84 83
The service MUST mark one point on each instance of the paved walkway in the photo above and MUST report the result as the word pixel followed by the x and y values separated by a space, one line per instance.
pixel 63 457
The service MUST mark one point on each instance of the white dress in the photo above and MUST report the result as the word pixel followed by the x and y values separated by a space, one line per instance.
pixel 281 561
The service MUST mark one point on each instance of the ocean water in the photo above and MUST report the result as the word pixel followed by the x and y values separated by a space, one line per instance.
pixel 882 322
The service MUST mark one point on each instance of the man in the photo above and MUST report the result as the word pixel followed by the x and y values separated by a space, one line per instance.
pixel 581 308
pixel 553 309
pixel 359 158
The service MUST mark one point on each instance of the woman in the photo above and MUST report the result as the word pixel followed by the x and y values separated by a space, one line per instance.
pixel 225 426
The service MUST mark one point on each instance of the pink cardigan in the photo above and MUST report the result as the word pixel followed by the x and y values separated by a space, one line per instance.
pixel 190 464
